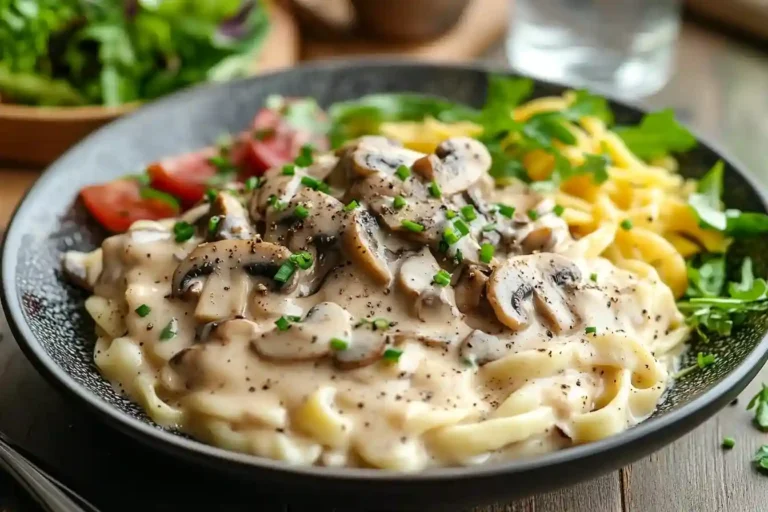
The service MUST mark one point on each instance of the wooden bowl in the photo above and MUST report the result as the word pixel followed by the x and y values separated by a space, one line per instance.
pixel 36 136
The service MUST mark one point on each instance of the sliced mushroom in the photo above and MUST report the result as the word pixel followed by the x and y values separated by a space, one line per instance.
pixel 416 280
pixel 233 223
pixel 429 214
pixel 362 240
pixel 543 277
pixel 470 288
pixel 366 347
pixel 457 164
pixel 228 265
pixel 277 190
pixel 322 226
pixel 308 339
pixel 83 268
pixel 480 348
pixel 375 154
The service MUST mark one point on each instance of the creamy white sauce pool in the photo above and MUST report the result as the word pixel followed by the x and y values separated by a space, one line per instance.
pixel 585 359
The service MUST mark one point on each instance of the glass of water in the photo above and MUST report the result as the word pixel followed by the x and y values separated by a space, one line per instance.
pixel 623 47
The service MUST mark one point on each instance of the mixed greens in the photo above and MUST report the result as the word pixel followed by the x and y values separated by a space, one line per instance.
pixel 77 52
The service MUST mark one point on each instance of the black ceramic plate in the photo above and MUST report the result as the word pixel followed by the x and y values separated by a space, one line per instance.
pixel 51 325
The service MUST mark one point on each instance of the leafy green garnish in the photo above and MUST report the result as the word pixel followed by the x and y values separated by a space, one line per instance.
pixel 759 402
pixel 714 307
pixel 657 134
pixel 364 116
pixel 157 195
pixel 702 361
pixel 707 205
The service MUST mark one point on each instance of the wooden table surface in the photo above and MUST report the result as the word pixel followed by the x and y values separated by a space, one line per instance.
pixel 719 88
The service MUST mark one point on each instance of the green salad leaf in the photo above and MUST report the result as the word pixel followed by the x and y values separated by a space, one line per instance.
pixel 712 304
pixel 707 205
pixel 72 52
pixel 657 134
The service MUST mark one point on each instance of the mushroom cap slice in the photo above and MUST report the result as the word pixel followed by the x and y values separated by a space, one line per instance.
pixel 234 223
pixel 252 257
pixel 544 278
pixel 307 339
pixel 480 348
pixel 457 164
pixel 322 226
pixel 376 154
pixel 470 288
pixel 366 347
pixel 415 279
pixel 363 243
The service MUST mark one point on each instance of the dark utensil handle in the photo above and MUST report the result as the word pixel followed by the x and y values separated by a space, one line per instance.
pixel 49 493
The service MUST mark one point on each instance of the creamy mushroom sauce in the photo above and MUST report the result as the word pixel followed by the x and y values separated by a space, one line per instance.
pixel 426 377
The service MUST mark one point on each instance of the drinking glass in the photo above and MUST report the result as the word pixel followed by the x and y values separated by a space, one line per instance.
pixel 624 47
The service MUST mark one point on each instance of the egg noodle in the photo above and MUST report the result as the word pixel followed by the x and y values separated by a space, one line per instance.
pixel 630 235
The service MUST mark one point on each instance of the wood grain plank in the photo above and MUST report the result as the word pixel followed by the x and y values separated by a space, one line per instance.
pixel 601 494
pixel 695 473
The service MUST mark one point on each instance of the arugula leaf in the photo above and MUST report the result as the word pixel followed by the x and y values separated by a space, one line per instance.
pixel 759 402
pixel 504 94
pixel 657 134
pixel 708 278
pixel 706 201
pixel 707 205
pixel 597 166
pixel 702 361
pixel 350 119
pixel 588 104
pixel 505 168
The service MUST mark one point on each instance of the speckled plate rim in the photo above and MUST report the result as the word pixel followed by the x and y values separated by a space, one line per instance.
pixel 618 447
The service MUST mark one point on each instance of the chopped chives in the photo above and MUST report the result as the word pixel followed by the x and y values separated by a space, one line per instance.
pixel 143 310
pixel 276 204
pixel 505 210
pixel 489 227
pixel 289 170
pixel 442 246
pixel 403 172
pixel 468 212
pixel 213 223
pixel 593 277
pixel 392 355
pixel 210 195
pixel 486 252
pixel 728 442
pixel 442 278
pixel 285 272
pixel 323 187
pixel 591 330
pixel 305 156
pixel 351 206
pixel 339 344
pixel 301 212
pixel 301 259
pixel 434 189
pixel 450 214
pixel 626 224
pixel 183 231
pixel 283 323
pixel 412 226
pixel 461 226
pixel 251 183
pixel 310 182
pixel 399 202
pixel 450 236
pixel 459 256
pixel 381 324
pixel 170 330
pixel 558 210
pixel 533 214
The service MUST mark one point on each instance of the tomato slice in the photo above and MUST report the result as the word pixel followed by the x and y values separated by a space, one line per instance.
pixel 274 142
pixel 184 176
pixel 118 204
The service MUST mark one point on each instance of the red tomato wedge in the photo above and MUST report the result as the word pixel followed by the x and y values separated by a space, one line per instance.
pixel 274 142
pixel 184 176
pixel 118 204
